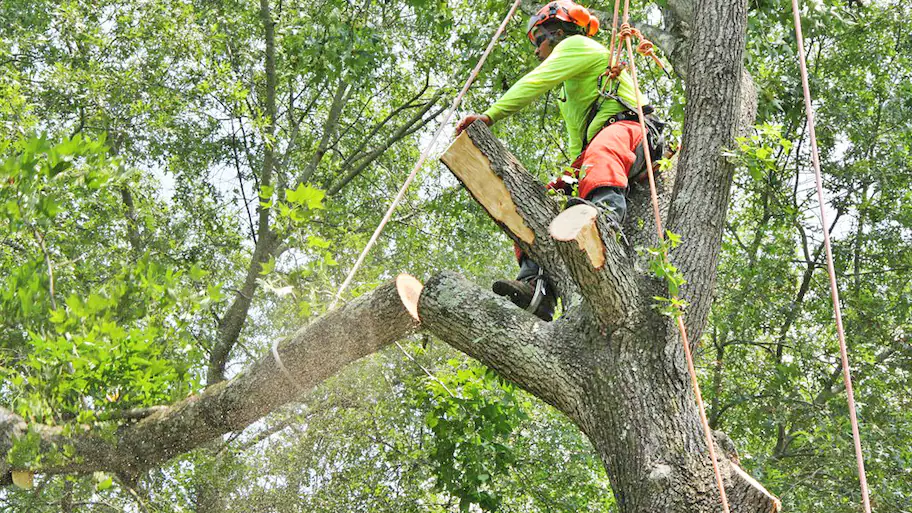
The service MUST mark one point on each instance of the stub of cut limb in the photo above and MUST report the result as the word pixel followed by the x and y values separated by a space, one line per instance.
pixel 473 168
pixel 579 223
pixel 409 289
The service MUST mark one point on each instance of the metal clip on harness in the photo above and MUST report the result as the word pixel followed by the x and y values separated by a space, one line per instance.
pixel 539 292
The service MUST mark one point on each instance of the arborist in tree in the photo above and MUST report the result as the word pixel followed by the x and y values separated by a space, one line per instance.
pixel 602 127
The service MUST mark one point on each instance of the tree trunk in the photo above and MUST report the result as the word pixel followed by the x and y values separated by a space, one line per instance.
pixel 612 363
pixel 614 366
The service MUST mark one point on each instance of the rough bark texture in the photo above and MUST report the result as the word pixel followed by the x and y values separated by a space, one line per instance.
pixel 702 188
pixel 311 355
pixel 620 378
pixel 611 363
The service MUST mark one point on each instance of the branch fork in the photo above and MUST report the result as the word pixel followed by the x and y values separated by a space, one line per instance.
pixel 577 248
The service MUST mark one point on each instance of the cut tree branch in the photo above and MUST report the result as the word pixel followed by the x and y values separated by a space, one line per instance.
pixel 315 352
pixel 599 268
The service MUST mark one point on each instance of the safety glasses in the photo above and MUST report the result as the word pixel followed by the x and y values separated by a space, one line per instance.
pixel 538 35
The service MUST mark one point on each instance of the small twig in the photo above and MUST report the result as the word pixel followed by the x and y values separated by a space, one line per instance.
pixel 50 265
pixel 136 497
pixel 429 374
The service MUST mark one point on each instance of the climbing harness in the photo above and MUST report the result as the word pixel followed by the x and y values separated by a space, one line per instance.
pixel 834 289
pixel 654 140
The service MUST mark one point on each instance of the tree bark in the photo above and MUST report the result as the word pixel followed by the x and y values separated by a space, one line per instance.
pixel 620 377
pixel 311 355
pixel 712 117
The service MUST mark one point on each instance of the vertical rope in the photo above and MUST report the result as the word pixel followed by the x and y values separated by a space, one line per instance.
pixel 424 155
pixel 614 31
pixel 707 432
pixel 834 289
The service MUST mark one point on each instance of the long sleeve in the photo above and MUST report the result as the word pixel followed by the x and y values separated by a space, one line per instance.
pixel 570 58
pixel 577 62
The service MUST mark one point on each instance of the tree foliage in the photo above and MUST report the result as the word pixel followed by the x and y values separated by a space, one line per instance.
pixel 142 143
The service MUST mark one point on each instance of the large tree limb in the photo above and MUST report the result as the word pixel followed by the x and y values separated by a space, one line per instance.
pixel 311 355
pixel 532 353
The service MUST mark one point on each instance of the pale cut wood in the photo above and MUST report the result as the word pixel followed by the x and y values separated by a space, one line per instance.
pixel 774 502
pixel 409 289
pixel 473 169
pixel 578 223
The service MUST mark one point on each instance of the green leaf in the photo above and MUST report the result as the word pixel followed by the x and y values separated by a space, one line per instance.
pixel 102 481
pixel 306 196
pixel 215 293
pixel 197 273
pixel 268 266
pixel 317 242
pixel 266 192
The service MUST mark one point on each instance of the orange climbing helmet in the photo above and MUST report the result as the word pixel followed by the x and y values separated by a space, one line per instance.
pixel 564 10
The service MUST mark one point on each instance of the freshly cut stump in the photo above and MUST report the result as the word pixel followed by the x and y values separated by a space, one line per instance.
pixel 409 289
pixel 579 223
pixel 775 503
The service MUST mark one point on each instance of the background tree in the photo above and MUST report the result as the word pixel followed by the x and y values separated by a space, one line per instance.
pixel 182 91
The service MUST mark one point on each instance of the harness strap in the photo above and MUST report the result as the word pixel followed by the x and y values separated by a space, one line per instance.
pixel 539 293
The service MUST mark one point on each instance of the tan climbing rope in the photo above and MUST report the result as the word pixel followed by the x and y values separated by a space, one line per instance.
pixel 834 289
pixel 625 34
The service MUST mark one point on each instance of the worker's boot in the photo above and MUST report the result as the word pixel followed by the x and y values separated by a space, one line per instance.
pixel 521 291
pixel 611 201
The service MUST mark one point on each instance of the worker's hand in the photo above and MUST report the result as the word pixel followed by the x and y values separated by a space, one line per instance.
pixel 471 118
pixel 563 184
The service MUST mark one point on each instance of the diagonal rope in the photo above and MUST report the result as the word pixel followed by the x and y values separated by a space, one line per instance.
pixel 625 34
pixel 834 289
pixel 424 155
pixel 614 31
pixel 398 198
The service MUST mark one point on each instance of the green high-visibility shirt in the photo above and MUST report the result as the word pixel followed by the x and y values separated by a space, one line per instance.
pixel 577 62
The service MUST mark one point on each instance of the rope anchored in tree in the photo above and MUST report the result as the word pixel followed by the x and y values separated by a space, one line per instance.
pixel 834 289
